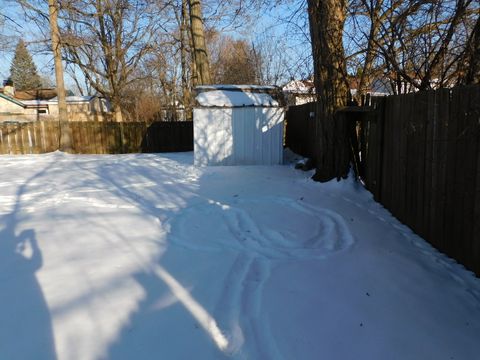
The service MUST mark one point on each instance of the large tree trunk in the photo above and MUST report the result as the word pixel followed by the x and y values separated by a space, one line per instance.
pixel 327 18
pixel 184 41
pixel 199 47
pixel 65 131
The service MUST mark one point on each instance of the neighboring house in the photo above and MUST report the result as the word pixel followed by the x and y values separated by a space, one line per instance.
pixel 378 87
pixel 11 106
pixel 298 92
pixel 38 104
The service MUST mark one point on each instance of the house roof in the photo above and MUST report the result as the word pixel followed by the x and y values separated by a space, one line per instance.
pixel 36 103
pixel 299 87
pixel 42 103
pixel 36 94
pixel 75 99
pixel 8 98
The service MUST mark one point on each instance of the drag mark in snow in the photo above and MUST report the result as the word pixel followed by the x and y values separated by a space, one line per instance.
pixel 228 310
pixel 259 236
pixel 257 322
pixel 292 231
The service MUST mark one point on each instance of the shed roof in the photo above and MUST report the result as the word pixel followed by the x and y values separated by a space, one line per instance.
pixel 237 96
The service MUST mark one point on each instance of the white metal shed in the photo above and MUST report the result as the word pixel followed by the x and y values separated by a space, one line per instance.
pixel 238 125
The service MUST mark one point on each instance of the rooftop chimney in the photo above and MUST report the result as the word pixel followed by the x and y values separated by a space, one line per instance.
pixel 8 88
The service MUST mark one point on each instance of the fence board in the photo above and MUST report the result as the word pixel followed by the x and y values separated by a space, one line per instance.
pixel 421 118
pixel 459 168
pixel 402 117
pixel 2 144
pixel 469 141
pixel 454 194
pixel 387 155
pixel 21 140
pixel 475 244
pixel 428 183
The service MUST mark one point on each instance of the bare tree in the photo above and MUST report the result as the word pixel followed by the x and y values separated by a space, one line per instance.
pixel 65 131
pixel 415 45
pixel 469 68
pixel 107 39
pixel 234 61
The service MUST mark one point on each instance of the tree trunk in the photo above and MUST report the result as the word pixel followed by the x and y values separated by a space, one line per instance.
pixel 65 142
pixel 327 18
pixel 199 48
pixel 184 41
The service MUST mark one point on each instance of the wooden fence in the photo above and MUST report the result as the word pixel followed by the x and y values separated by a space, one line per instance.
pixel 300 134
pixel 420 157
pixel 326 143
pixel 98 137
pixel 422 162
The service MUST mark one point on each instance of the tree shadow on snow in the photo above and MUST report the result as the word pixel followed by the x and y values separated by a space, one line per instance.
pixel 25 322
pixel 165 319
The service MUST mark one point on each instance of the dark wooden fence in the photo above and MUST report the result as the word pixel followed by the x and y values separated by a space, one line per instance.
pixel 98 137
pixel 300 135
pixel 420 157
pixel 308 133
pixel 422 162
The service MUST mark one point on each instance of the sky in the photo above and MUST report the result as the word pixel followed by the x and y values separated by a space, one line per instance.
pixel 265 27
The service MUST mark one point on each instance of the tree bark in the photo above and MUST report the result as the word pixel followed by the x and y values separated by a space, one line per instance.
pixel 327 18
pixel 199 47
pixel 184 41
pixel 65 141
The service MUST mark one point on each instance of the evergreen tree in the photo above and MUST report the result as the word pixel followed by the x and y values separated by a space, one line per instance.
pixel 23 71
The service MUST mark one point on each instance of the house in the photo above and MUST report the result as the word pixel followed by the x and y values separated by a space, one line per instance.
pixel 43 104
pixel 298 92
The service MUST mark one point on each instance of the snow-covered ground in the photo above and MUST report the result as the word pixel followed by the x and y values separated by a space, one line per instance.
pixel 149 257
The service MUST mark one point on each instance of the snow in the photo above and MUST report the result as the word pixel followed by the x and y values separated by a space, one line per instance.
pixel 147 256
pixel 74 99
pixel 299 87
pixel 69 99
pixel 236 87
pixel 35 102
pixel 228 98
